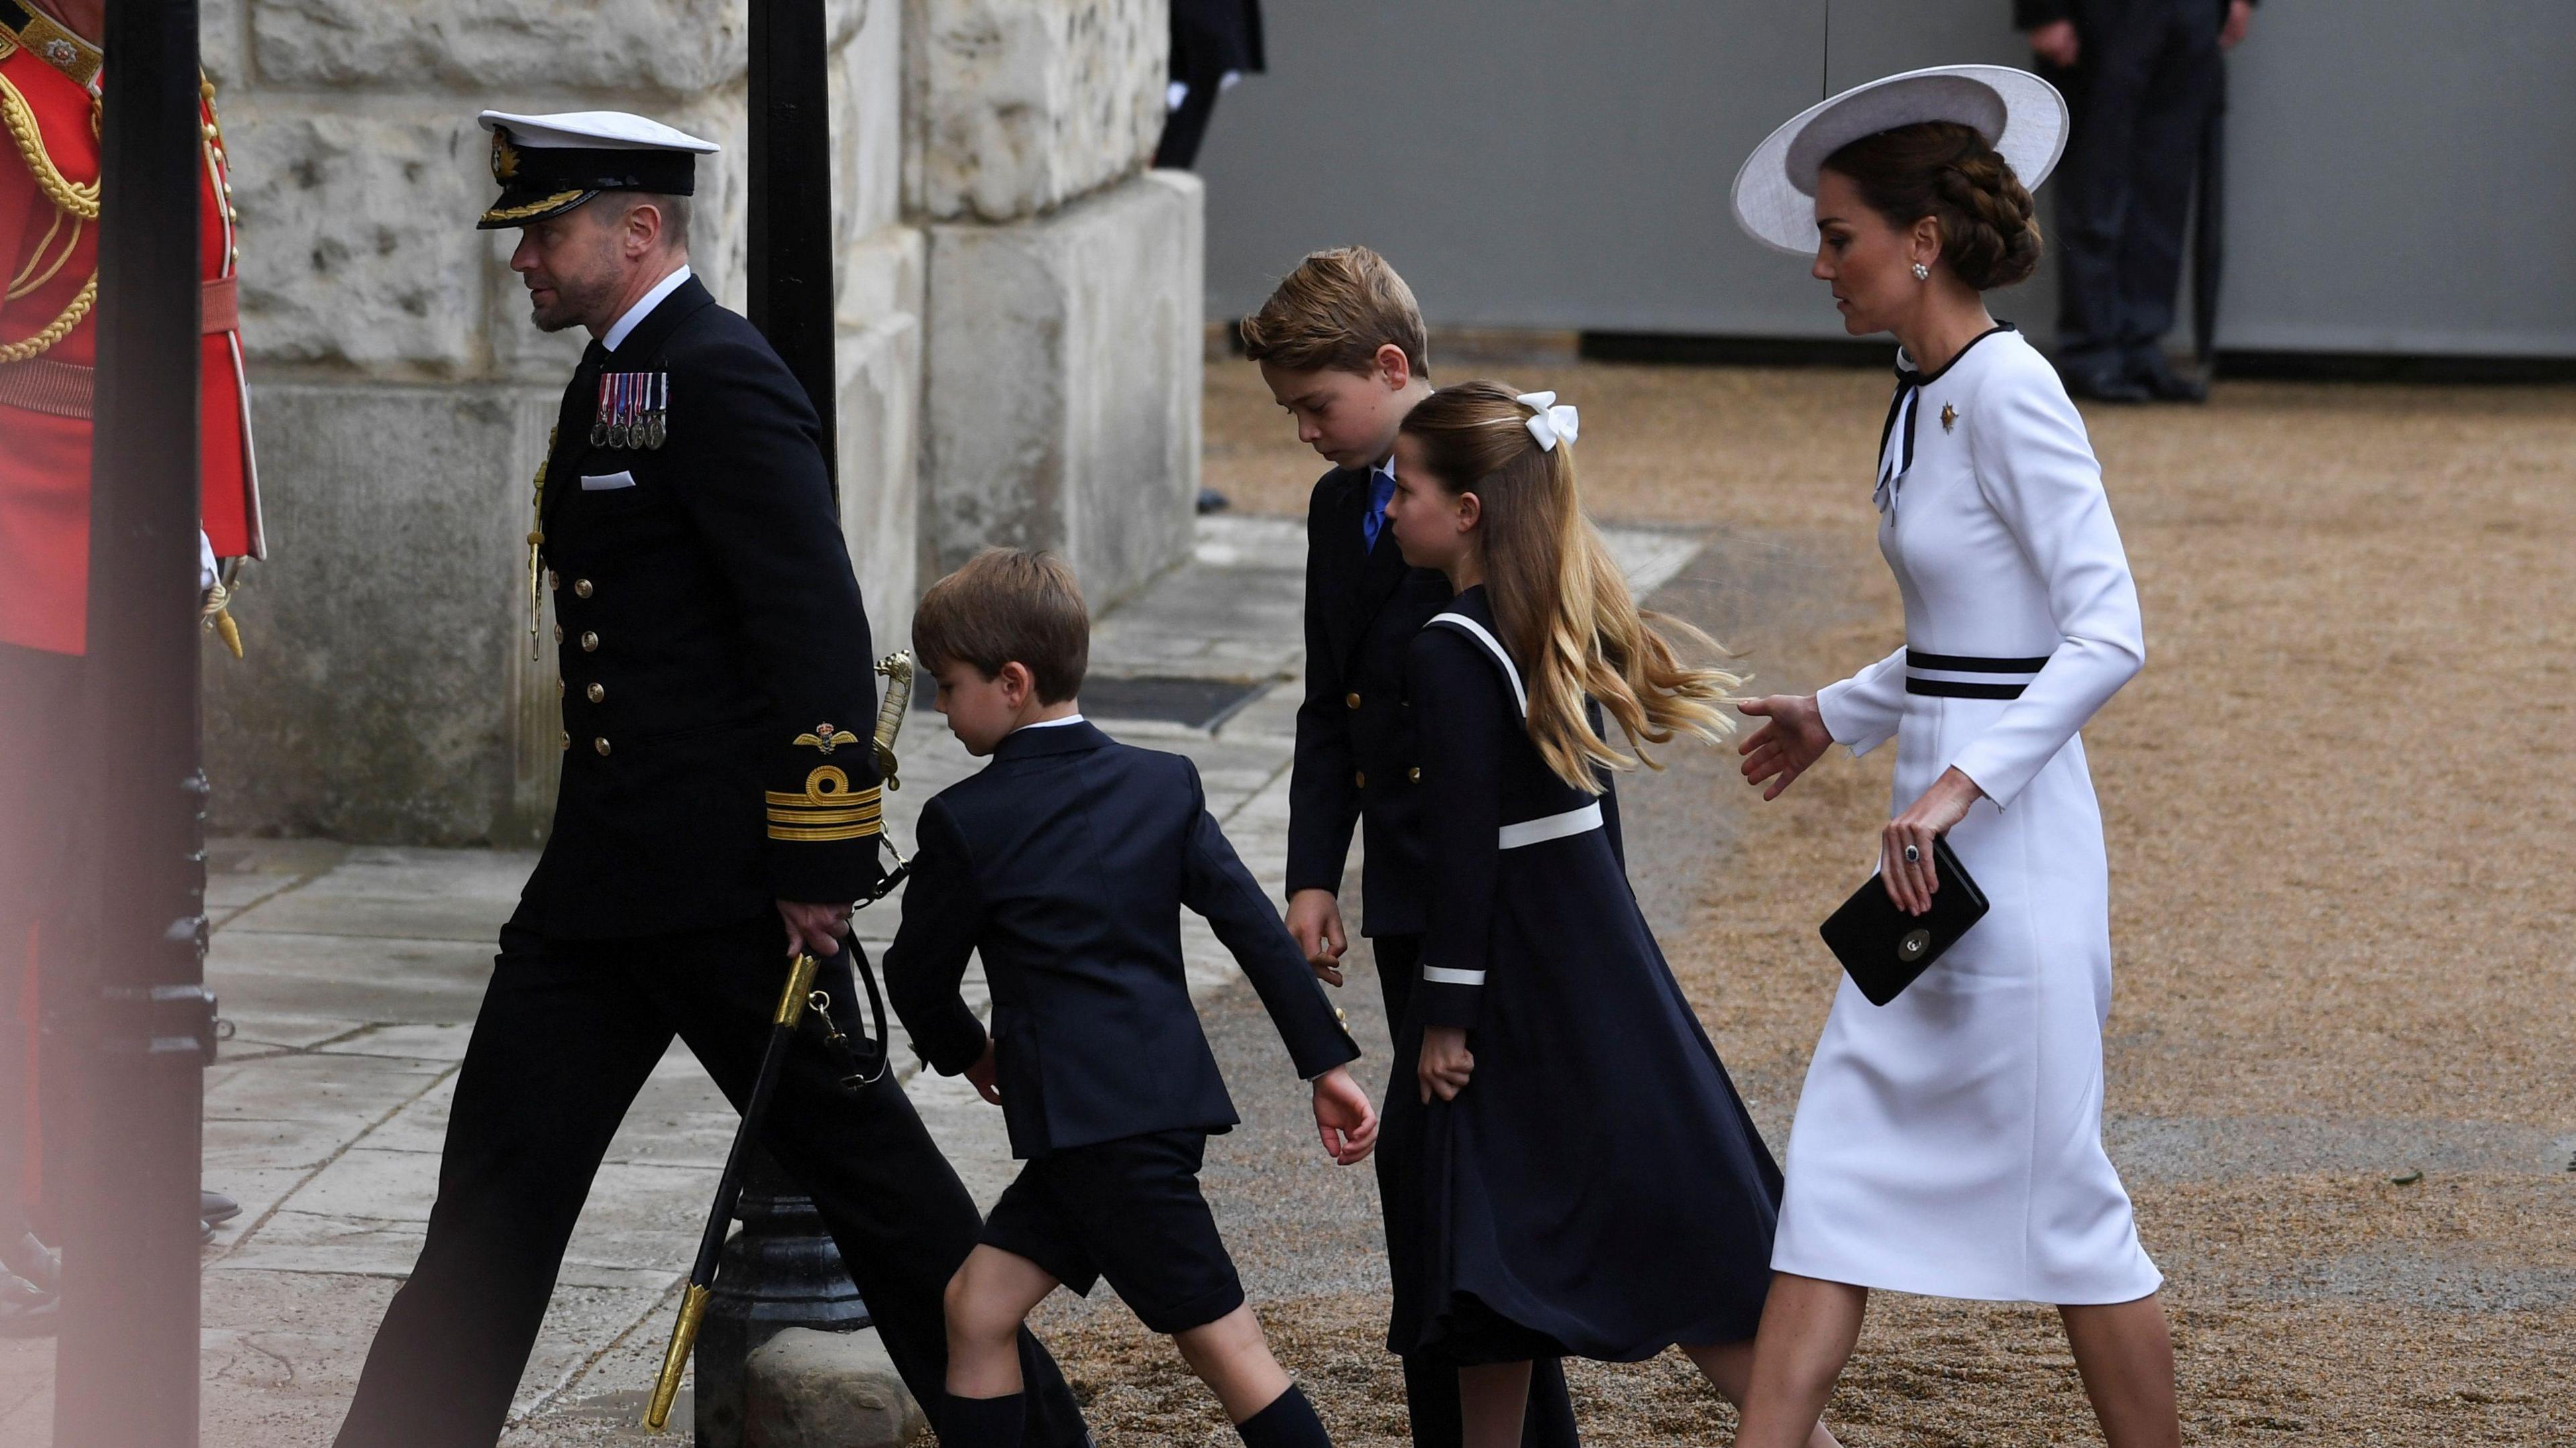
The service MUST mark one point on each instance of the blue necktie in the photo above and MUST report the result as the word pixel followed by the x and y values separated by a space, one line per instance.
pixel 1381 488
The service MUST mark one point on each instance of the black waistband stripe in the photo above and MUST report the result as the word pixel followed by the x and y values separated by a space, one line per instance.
pixel 1956 689
pixel 1973 664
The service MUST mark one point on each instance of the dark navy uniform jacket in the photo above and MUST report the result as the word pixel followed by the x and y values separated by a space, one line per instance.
pixel 1356 761
pixel 1066 862
pixel 712 643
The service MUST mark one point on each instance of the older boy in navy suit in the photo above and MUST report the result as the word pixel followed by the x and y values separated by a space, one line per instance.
pixel 1066 863
pixel 1343 349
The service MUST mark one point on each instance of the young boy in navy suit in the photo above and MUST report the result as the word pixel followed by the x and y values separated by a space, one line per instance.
pixel 1342 347
pixel 1065 863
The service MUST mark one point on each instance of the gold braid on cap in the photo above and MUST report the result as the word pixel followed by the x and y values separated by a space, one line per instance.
pixel 518 213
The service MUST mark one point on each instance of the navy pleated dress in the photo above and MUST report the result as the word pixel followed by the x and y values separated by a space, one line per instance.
pixel 1597 1190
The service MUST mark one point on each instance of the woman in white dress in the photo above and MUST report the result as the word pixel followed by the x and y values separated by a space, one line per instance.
pixel 1949 1143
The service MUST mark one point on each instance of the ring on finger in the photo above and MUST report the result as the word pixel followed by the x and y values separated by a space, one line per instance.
pixel 1913 856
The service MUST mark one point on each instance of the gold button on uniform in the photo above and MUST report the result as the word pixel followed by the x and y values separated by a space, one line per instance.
pixel 1414 775
pixel 563 740
pixel 596 692
pixel 558 688
pixel 600 744
pixel 1359 778
pixel 558 633
pixel 1351 700
pixel 589 642
pixel 581 588
pixel 554 580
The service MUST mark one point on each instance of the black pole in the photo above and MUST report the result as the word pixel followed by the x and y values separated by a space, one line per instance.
pixel 791 199
pixel 782 1269
pixel 126 1370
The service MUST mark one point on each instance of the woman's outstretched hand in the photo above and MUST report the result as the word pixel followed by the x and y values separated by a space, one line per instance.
pixel 1446 1063
pixel 1782 749
pixel 1910 883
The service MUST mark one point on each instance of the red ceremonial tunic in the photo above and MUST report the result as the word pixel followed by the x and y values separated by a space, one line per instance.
pixel 49 167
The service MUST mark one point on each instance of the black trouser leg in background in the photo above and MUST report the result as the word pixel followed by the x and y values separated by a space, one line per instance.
pixel 1431 1388
pixel 2140 92
pixel 2181 86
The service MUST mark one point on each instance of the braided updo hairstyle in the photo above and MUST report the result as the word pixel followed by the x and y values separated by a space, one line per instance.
pixel 1946 171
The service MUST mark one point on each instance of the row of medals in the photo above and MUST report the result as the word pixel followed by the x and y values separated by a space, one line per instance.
pixel 634 410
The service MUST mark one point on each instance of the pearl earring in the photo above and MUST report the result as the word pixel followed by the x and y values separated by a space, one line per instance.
pixel 1922 273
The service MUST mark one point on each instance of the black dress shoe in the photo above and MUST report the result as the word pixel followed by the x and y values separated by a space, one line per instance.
pixel 214 1208
pixel 2164 384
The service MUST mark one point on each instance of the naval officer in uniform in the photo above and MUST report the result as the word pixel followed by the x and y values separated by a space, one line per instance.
pixel 718 810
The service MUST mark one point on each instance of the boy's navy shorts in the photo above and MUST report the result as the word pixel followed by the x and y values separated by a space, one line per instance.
pixel 1127 1210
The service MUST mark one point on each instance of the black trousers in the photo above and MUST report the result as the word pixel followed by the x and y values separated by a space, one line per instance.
pixel 1431 1388
pixel 42 898
pixel 567 1035
pixel 2145 80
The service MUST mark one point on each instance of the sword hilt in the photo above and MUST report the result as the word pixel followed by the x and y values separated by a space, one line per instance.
pixel 897 669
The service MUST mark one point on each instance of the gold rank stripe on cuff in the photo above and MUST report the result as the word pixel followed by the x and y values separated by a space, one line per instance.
pixel 781 816
pixel 824 814
pixel 806 834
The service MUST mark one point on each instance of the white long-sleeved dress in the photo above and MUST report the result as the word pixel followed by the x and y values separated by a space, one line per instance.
pixel 1950 1142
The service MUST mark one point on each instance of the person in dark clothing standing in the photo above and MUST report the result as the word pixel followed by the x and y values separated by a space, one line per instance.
pixel 2141 77
pixel 1342 347
pixel 718 813
pixel 1214 44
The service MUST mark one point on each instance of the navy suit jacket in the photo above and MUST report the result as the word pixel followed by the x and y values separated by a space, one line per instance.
pixel 1066 862
pixel 1355 747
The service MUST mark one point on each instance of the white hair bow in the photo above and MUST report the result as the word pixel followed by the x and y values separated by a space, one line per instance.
pixel 1555 422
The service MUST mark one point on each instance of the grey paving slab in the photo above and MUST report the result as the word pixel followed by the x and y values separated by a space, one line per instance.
pixel 351 977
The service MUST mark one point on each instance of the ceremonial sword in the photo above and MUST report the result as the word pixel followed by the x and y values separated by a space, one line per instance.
pixel 798 996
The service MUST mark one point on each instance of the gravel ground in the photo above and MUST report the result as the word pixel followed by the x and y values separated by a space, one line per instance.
pixel 2339 811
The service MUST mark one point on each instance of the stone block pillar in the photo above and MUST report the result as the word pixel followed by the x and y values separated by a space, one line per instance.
pixel 1064 292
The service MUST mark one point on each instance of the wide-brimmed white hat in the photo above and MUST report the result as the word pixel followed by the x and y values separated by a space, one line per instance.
pixel 2020 115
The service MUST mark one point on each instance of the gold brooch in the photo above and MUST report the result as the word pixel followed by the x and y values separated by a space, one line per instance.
pixel 1949 417
pixel 826 738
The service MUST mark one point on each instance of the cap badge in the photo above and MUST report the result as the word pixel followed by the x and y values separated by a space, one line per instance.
pixel 1949 417
pixel 505 157
pixel 826 738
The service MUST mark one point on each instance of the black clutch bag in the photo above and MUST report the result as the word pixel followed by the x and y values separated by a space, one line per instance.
pixel 1883 947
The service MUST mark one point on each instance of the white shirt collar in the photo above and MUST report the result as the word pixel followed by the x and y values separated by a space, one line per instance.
pixel 1073 718
pixel 635 315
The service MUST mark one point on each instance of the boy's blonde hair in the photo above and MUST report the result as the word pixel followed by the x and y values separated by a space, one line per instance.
pixel 1335 311
pixel 1008 604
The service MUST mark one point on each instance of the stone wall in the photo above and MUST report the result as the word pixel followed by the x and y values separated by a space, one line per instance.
pixel 401 398
pixel 1063 383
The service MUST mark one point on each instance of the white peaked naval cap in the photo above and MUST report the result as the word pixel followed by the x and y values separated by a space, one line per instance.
pixel 593 131
pixel 2020 115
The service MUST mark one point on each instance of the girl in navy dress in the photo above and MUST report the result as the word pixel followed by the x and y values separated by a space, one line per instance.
pixel 1592 1186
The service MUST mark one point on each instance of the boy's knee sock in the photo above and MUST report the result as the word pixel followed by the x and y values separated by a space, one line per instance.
pixel 1289 1422
pixel 983 1422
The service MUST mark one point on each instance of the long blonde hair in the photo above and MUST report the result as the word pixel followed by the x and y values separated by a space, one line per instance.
pixel 1561 601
